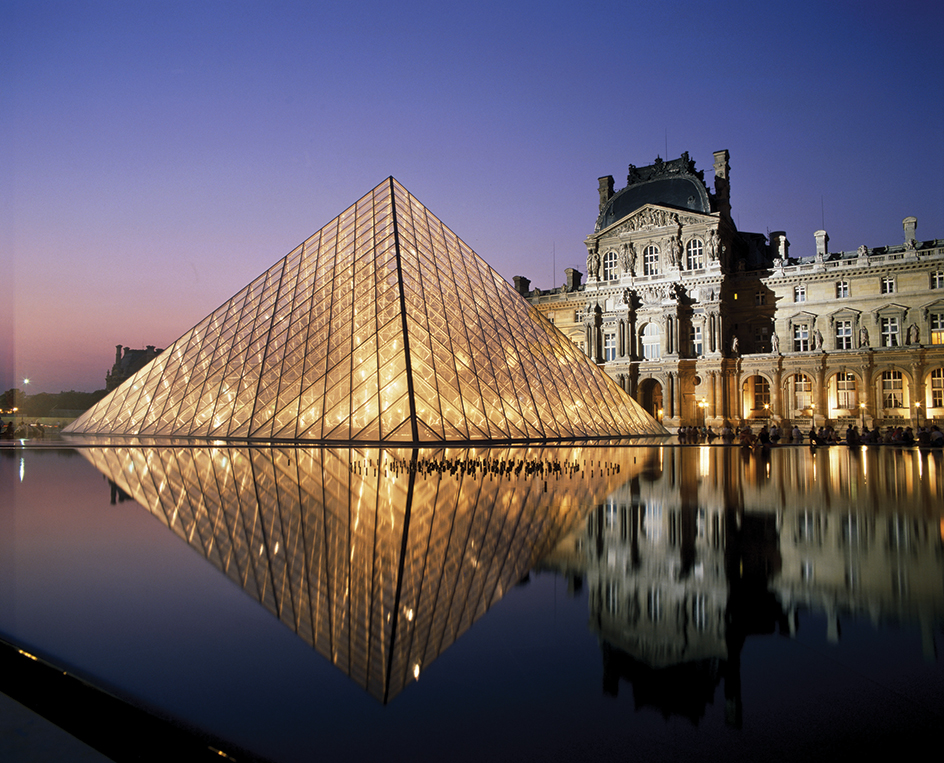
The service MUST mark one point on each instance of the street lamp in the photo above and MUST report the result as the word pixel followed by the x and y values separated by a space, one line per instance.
pixel 703 405
pixel 862 414
pixel 766 414
pixel 918 412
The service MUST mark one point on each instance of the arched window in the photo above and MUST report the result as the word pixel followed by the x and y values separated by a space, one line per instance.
pixel 937 388
pixel 650 261
pixel 609 266
pixel 695 254
pixel 651 342
pixel 802 392
pixel 846 396
pixel 892 390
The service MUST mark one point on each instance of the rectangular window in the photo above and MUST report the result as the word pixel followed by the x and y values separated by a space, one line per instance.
pixel 937 328
pixel 760 298
pixel 762 339
pixel 892 389
pixel 937 279
pixel 761 393
pixel 937 388
pixel 888 285
pixel 803 392
pixel 799 294
pixel 843 335
pixel 697 345
pixel 842 289
pixel 890 332
pixel 609 346
pixel 801 338
pixel 846 391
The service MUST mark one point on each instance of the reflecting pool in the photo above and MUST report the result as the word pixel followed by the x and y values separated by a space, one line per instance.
pixel 653 602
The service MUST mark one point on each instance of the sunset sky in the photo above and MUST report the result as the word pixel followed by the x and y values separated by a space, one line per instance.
pixel 156 156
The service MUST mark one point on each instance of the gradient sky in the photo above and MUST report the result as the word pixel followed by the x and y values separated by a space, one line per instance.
pixel 155 157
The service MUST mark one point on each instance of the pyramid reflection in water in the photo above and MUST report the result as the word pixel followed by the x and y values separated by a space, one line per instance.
pixel 383 327
pixel 378 558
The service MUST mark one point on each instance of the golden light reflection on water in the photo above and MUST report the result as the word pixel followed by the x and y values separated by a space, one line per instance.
pixel 382 558
pixel 379 558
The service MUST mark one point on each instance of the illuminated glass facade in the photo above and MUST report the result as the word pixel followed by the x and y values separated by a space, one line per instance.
pixel 382 327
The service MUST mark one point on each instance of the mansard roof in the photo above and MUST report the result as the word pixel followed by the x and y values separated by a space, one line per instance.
pixel 675 184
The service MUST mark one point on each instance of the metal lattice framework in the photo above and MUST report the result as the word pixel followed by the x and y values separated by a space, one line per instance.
pixel 383 327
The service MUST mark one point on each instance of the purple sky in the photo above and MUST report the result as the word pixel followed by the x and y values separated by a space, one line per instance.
pixel 157 156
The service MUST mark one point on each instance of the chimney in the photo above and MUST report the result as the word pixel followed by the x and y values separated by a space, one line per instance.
pixel 722 183
pixel 522 285
pixel 574 277
pixel 606 190
pixel 910 224
pixel 822 243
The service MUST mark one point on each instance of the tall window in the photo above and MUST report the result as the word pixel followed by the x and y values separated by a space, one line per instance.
pixel 801 338
pixel 761 393
pixel 651 348
pixel 650 261
pixel 842 289
pixel 762 339
pixel 888 285
pixel 937 279
pixel 843 335
pixel 799 293
pixel 937 328
pixel 760 298
pixel 697 345
pixel 890 332
pixel 695 254
pixel 937 388
pixel 609 266
pixel 802 392
pixel 892 390
pixel 609 346
pixel 846 391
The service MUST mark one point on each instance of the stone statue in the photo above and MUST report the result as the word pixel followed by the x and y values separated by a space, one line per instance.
pixel 714 241
pixel 673 247
pixel 735 346
pixel 913 335
pixel 862 251
pixel 593 264
pixel 817 340
pixel 628 257
pixel 775 343
pixel 627 297
pixel 863 337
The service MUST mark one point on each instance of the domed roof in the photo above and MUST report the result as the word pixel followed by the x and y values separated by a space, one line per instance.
pixel 673 184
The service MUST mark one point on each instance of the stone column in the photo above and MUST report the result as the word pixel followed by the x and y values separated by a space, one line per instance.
pixel 776 393
pixel 820 393
pixel 713 394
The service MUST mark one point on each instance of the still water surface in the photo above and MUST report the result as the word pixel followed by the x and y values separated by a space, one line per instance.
pixel 662 603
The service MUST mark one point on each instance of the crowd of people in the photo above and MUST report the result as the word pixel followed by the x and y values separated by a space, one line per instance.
pixel 926 436
pixel 23 431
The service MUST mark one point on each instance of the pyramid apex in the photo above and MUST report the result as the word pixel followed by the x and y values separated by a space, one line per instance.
pixel 383 327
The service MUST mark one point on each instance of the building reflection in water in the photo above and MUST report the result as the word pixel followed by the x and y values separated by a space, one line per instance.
pixel 707 546
pixel 378 558
pixel 382 558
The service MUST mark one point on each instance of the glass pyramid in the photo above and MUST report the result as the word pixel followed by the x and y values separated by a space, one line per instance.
pixel 383 327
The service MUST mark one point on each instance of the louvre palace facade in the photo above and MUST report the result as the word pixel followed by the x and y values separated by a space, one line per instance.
pixel 704 324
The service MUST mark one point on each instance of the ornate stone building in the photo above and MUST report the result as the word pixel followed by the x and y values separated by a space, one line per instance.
pixel 703 323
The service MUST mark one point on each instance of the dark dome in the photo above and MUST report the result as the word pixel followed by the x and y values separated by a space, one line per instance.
pixel 677 191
